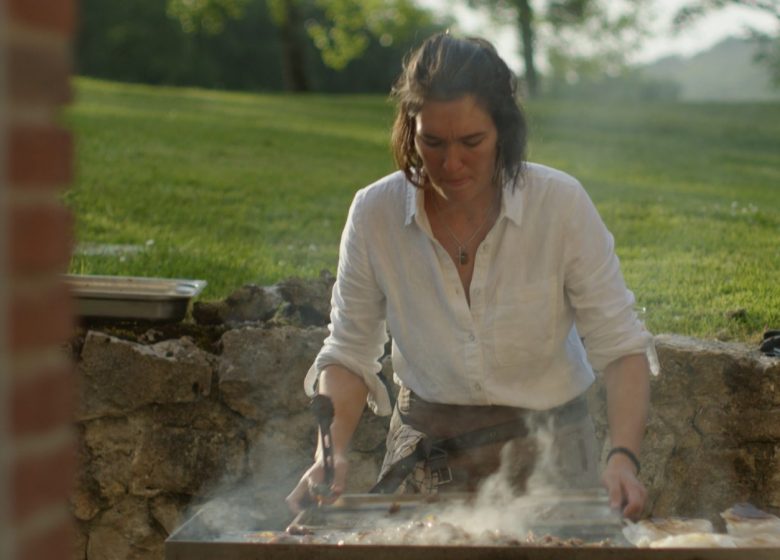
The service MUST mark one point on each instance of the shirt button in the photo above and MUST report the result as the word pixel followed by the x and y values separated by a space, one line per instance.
pixel 477 386
pixel 472 338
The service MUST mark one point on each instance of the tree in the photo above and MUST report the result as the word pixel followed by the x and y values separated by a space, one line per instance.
pixel 341 30
pixel 694 10
pixel 138 41
pixel 597 42
pixel 521 12
pixel 576 33
pixel 768 45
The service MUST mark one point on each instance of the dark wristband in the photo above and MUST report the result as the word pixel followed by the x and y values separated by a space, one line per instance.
pixel 628 453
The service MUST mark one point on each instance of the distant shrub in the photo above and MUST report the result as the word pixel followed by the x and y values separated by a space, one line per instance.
pixel 631 86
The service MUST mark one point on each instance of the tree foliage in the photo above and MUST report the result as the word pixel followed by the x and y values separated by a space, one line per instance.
pixel 209 15
pixel 692 11
pixel 768 45
pixel 598 42
pixel 143 41
pixel 578 38
pixel 348 26
pixel 340 29
pixel 523 14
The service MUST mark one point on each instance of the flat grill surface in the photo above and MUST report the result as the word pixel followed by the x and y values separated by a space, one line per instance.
pixel 198 539
pixel 574 515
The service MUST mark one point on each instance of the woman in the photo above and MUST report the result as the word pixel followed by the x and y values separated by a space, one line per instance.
pixel 499 285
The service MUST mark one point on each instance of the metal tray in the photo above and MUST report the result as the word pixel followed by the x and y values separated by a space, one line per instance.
pixel 198 539
pixel 132 297
pixel 584 515
pixel 192 542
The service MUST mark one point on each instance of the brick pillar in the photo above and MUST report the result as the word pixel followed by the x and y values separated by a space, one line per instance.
pixel 36 380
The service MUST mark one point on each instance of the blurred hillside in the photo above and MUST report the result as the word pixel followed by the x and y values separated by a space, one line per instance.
pixel 726 72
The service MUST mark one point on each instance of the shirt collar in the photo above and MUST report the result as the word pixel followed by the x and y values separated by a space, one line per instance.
pixel 511 202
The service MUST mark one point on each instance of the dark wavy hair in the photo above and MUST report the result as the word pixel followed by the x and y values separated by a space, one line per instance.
pixel 444 68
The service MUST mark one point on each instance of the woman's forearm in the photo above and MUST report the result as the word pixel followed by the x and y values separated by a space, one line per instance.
pixel 348 393
pixel 628 400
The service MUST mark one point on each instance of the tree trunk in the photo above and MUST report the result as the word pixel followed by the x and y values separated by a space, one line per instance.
pixel 293 62
pixel 525 19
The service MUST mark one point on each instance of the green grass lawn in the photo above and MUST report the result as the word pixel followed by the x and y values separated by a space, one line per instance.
pixel 236 188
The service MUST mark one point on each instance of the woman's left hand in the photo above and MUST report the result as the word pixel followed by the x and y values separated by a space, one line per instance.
pixel 628 398
pixel 626 493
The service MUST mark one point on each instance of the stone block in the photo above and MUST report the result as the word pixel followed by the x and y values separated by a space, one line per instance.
pixel 756 425
pixel 125 531
pixel 371 433
pixel 184 460
pixel 677 420
pixel 307 300
pixel 773 497
pixel 110 445
pixel 83 503
pixel 248 304
pixel 118 376
pixel 714 422
pixel 261 371
pixel 363 471
pixel 658 443
pixel 294 301
pixel 168 511
pixel 281 450
pixel 701 483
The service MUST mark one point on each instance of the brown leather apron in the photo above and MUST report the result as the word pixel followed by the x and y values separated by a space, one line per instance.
pixel 564 435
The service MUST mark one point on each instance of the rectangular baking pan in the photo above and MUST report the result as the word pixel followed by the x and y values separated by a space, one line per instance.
pixel 133 297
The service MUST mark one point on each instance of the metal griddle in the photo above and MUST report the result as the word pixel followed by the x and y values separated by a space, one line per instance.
pixel 583 515
pixel 199 539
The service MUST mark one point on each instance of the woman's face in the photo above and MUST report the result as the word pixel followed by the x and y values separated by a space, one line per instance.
pixel 457 143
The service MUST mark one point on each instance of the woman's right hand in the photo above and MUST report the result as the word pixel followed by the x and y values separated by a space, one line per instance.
pixel 304 494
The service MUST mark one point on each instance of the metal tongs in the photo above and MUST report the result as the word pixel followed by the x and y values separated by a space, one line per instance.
pixel 322 408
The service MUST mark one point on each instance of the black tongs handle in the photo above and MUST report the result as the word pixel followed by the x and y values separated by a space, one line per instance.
pixel 322 408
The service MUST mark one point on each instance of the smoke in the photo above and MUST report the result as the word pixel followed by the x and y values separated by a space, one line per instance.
pixel 499 506
pixel 500 512
pixel 229 508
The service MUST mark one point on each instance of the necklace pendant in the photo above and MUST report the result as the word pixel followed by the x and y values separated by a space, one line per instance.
pixel 463 256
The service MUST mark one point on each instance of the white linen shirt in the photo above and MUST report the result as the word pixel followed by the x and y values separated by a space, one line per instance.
pixel 546 280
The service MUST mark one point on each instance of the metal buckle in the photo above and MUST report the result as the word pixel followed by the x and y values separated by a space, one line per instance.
pixel 437 465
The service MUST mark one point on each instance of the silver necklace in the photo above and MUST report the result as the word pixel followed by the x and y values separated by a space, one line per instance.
pixel 463 255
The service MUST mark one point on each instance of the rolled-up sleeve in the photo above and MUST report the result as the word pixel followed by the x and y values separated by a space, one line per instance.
pixel 357 319
pixel 603 306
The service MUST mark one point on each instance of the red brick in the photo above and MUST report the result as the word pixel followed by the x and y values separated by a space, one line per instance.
pixel 41 238
pixel 55 544
pixel 52 15
pixel 42 403
pixel 38 74
pixel 42 481
pixel 41 321
pixel 40 156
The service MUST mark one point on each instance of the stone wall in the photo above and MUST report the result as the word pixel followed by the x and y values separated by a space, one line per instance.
pixel 172 416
